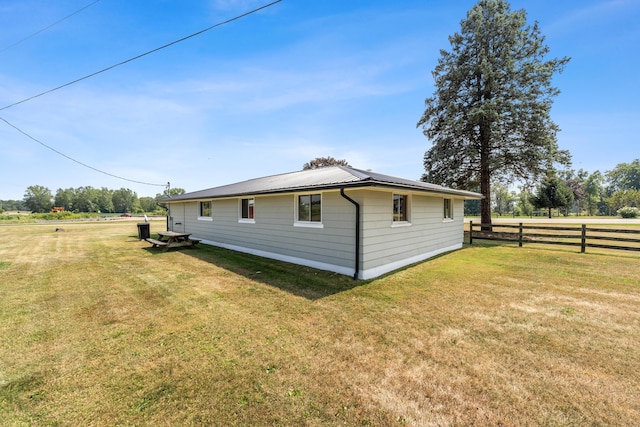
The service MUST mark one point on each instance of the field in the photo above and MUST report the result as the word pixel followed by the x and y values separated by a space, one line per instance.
pixel 97 328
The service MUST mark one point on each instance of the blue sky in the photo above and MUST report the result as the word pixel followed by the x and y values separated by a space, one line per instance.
pixel 267 93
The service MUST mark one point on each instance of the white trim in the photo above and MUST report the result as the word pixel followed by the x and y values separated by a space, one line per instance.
pixel 386 268
pixel 286 258
pixel 451 208
pixel 308 224
pixel 247 220
pixel 200 216
pixel 407 208
pixel 395 224
pixel 205 218
pixel 296 210
pixel 347 271
pixel 448 220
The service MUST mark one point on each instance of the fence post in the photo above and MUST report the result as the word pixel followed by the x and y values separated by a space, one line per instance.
pixel 583 243
pixel 520 236
pixel 470 232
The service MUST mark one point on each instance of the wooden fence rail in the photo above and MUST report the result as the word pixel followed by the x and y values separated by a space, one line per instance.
pixel 572 236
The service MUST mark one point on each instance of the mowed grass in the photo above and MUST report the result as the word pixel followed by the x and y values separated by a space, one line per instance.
pixel 97 328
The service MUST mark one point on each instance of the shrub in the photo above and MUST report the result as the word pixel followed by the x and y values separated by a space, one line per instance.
pixel 66 215
pixel 629 212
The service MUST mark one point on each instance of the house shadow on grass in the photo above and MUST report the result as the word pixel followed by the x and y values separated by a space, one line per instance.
pixel 306 282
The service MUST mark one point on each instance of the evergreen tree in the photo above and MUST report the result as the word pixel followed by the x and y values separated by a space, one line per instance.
pixel 489 117
pixel 553 193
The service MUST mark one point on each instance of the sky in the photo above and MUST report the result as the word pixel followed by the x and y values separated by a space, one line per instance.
pixel 268 92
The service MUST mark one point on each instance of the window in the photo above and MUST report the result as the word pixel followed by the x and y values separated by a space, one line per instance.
pixel 205 209
pixel 310 208
pixel 448 209
pixel 400 208
pixel 247 209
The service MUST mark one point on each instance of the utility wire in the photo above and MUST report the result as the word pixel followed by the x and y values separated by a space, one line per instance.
pixel 142 55
pixel 107 69
pixel 74 160
pixel 48 26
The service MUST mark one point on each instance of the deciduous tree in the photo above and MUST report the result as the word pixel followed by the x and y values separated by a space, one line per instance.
pixel 625 176
pixel 148 204
pixel 64 198
pixel 502 199
pixel 124 200
pixel 593 191
pixel 490 114
pixel 38 198
pixel 524 205
pixel 624 198
pixel 86 199
pixel 105 200
pixel 171 192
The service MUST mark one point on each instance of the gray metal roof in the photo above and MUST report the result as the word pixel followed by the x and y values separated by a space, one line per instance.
pixel 318 179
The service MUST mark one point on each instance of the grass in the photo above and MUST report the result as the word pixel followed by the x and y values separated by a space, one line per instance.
pixel 97 328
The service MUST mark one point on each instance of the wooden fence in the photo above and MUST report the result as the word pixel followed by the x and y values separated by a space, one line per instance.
pixel 581 235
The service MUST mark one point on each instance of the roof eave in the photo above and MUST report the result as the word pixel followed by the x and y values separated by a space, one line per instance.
pixel 334 186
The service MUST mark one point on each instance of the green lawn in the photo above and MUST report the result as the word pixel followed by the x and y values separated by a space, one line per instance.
pixel 97 328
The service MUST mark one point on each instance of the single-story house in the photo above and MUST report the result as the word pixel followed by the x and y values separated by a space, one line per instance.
pixel 341 219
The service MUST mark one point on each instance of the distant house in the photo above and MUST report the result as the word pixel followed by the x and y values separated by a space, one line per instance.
pixel 349 221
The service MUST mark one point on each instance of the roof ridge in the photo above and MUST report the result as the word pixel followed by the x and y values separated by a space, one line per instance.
pixel 358 173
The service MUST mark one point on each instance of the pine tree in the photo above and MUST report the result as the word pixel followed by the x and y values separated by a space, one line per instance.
pixel 489 117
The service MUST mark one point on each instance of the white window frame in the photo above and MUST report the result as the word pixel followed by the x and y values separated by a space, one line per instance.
pixel 446 218
pixel 251 207
pixel 204 217
pixel 296 205
pixel 407 221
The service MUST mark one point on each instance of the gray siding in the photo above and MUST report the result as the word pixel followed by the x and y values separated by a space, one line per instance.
pixel 274 232
pixel 385 246
pixel 426 233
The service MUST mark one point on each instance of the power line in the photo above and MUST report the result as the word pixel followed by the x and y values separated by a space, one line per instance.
pixel 48 26
pixel 142 55
pixel 110 68
pixel 77 161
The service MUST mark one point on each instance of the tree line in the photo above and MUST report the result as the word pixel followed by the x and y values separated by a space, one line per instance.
pixel 568 191
pixel 40 199
pixel 571 192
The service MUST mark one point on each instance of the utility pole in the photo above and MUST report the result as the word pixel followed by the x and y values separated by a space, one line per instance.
pixel 168 206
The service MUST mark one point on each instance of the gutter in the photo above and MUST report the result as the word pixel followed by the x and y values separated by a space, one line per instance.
pixel 166 212
pixel 357 245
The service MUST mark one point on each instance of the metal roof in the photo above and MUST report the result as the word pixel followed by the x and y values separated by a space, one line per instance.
pixel 317 179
